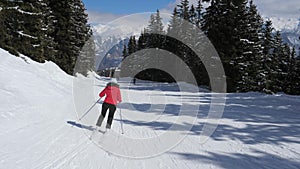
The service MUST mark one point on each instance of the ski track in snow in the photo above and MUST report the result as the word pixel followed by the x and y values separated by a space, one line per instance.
pixel 40 130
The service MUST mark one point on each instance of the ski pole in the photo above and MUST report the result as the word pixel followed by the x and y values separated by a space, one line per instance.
pixel 121 121
pixel 90 109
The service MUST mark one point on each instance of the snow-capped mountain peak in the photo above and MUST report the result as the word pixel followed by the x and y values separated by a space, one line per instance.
pixel 281 23
pixel 117 31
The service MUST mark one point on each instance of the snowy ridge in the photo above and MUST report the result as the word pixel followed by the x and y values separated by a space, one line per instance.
pixel 39 127
pixel 291 36
pixel 118 31
pixel 289 29
pixel 111 34
pixel 282 24
pixel 107 36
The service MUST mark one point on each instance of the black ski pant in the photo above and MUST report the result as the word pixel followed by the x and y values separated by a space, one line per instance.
pixel 112 109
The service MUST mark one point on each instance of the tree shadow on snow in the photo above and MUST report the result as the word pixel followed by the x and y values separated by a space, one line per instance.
pixel 264 119
pixel 253 118
pixel 170 109
pixel 257 159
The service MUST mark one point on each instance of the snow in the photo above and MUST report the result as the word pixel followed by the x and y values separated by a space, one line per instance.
pixel 40 128
pixel 126 26
pixel 247 41
pixel 291 36
pixel 117 30
pixel 23 12
pixel 24 34
pixel 283 23
pixel 110 34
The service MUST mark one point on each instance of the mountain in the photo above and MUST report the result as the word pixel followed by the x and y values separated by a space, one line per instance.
pixel 281 23
pixel 289 29
pixel 116 33
pixel 110 40
pixel 114 56
pixel 291 36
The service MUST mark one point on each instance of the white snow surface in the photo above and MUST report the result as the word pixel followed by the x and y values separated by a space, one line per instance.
pixel 40 127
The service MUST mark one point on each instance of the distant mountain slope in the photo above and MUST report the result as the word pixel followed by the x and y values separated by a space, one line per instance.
pixel 291 36
pixel 110 40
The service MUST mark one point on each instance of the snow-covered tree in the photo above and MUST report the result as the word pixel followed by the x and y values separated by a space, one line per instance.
pixel 183 9
pixel 86 58
pixel 6 23
pixel 192 15
pixel 71 31
pixel 268 43
pixel 155 24
pixel 292 82
pixel 45 30
pixel 250 60
pixel 24 27
pixel 132 45
pixel 199 14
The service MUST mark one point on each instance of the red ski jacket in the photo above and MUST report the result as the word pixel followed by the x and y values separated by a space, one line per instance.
pixel 112 93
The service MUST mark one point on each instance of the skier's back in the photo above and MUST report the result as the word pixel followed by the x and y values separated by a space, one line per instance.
pixel 113 97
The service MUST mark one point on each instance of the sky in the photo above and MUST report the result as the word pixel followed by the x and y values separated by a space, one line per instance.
pixel 103 11
pixel 125 7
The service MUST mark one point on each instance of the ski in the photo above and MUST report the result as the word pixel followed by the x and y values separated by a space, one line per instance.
pixel 97 130
pixel 102 131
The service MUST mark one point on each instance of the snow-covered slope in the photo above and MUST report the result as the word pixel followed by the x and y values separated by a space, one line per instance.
pixel 39 127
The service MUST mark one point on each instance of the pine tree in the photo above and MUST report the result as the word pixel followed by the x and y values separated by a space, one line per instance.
pixel 184 25
pixel 299 49
pixel 199 14
pixel 155 24
pixel 23 29
pixel 268 43
pixel 223 23
pixel 174 29
pixel 193 15
pixel 248 63
pixel 70 33
pixel 142 41
pixel 86 60
pixel 175 22
pixel 6 9
pixel 281 55
pixel 254 69
pixel 151 26
pixel 47 28
pixel 240 44
pixel 132 45
pixel 159 27
pixel 79 30
pixel 154 35
pixel 183 9
pixel 125 51
pixel 292 83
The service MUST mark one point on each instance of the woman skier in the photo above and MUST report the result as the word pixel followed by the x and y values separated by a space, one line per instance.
pixel 113 97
